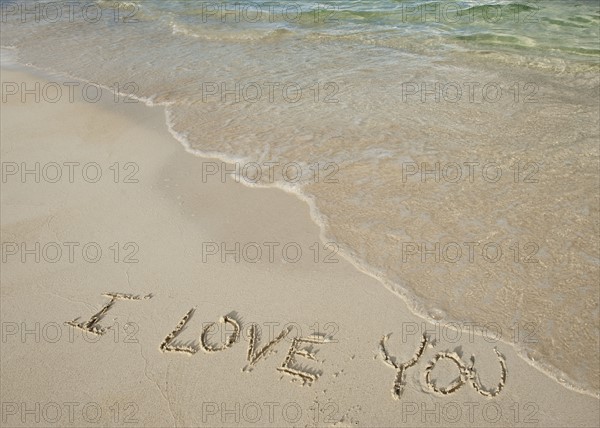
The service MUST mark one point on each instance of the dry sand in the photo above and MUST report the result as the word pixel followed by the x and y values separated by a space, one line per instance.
pixel 52 374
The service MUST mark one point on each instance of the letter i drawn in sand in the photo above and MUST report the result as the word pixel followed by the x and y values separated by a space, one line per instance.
pixel 91 325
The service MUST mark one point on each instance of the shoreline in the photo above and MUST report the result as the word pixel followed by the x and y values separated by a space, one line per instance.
pixel 415 305
pixel 382 293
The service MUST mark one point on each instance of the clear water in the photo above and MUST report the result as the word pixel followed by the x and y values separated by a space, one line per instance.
pixel 365 55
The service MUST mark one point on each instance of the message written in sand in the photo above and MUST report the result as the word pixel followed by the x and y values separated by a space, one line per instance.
pixel 302 347
pixel 466 373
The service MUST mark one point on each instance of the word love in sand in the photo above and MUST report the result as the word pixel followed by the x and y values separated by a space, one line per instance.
pixel 300 347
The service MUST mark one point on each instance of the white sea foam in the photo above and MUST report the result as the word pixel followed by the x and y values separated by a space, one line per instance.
pixel 372 133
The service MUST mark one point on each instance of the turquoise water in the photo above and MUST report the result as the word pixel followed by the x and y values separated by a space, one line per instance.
pixel 359 67
pixel 536 28
pixel 560 29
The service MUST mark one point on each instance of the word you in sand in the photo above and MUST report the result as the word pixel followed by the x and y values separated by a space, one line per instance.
pixel 466 373
pixel 301 347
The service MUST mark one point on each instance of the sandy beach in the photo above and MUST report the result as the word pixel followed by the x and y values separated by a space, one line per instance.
pixel 116 205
